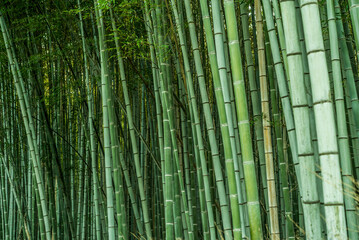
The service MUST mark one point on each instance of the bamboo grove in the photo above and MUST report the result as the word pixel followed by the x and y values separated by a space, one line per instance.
pixel 179 119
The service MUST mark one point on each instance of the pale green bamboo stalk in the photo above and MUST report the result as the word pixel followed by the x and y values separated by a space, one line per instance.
pixel 352 95
pixel 343 139
pixel 324 119
pixel 301 116
pixel 281 37
pixel 105 96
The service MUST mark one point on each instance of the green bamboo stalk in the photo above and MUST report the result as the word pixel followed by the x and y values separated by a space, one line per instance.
pixel 228 153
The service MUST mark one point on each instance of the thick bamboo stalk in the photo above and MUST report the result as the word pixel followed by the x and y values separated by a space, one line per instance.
pixel 343 139
pixel 301 116
pixel 323 110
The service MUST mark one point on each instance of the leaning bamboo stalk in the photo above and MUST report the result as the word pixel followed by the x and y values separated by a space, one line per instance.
pixel 32 145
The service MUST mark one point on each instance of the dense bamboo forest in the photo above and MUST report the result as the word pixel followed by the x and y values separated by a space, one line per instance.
pixel 179 119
